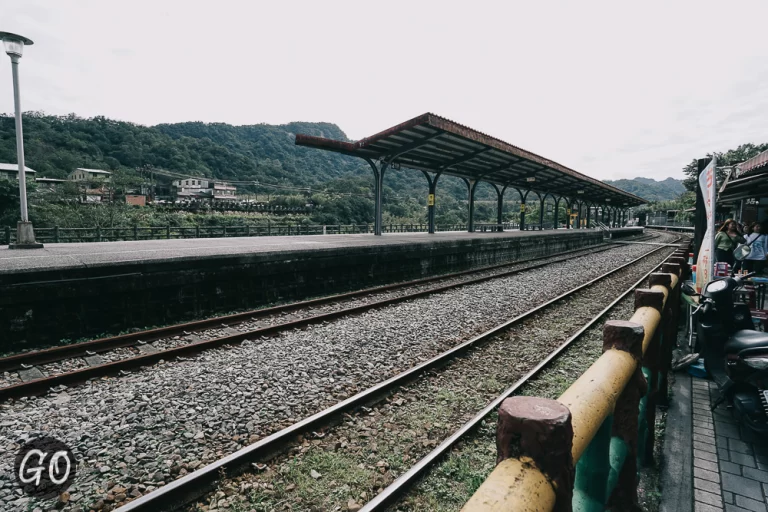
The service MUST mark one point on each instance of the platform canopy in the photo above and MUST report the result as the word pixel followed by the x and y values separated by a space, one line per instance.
pixel 748 181
pixel 433 143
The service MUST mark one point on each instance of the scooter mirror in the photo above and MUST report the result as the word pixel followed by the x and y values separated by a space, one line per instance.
pixel 688 288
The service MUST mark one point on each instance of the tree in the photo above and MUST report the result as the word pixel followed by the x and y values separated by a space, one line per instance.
pixel 730 157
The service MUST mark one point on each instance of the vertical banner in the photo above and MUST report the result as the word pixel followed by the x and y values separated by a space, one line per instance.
pixel 706 261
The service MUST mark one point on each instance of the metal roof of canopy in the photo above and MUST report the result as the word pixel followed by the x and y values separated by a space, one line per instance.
pixel 433 143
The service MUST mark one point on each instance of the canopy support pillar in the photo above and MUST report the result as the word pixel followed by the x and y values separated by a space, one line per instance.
pixel 471 185
pixel 378 193
pixel 522 208
pixel 432 181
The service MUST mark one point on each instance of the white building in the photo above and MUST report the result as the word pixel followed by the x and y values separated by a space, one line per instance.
pixel 195 188
pixel 191 188
pixel 11 171
pixel 82 174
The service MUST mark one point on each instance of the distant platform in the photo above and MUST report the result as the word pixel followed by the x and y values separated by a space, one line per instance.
pixel 84 255
pixel 86 289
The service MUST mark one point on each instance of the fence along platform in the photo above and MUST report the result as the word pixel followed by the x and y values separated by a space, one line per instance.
pixel 581 452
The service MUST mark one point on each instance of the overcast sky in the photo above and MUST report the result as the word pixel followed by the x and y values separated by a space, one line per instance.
pixel 611 89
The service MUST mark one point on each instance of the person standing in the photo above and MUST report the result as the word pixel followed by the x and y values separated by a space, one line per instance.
pixel 758 243
pixel 726 241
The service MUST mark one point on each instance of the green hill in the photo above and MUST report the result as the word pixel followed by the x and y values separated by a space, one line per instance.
pixel 54 146
pixel 651 189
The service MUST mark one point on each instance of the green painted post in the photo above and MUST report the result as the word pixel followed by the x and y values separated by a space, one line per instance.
pixel 619 451
pixel 642 425
pixel 592 471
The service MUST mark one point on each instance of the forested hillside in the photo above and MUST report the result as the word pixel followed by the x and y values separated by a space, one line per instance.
pixel 54 146
pixel 651 189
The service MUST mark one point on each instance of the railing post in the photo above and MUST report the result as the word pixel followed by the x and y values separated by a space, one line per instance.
pixel 7 235
pixel 197 231
pixel 653 365
pixel 669 336
pixel 56 234
pixel 98 233
pixel 627 337
pixel 593 470
pixel 539 433
pixel 247 230
pixel 135 232
pixel 168 232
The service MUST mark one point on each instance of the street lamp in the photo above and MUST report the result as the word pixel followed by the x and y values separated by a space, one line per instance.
pixel 25 234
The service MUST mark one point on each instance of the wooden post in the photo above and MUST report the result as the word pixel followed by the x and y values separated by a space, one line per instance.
pixel 627 337
pixel 653 364
pixel 534 436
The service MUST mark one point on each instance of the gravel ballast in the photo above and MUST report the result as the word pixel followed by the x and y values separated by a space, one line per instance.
pixel 369 450
pixel 137 432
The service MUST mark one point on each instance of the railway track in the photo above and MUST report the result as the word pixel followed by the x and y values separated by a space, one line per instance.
pixel 37 372
pixel 189 488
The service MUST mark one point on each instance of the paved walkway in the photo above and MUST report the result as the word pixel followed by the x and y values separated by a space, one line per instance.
pixel 719 465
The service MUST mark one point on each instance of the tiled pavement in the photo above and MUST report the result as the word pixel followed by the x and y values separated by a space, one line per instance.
pixel 730 463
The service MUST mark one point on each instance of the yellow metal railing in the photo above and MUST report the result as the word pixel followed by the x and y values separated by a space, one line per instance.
pixel 609 410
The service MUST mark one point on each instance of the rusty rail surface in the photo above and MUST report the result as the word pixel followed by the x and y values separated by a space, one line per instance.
pixel 581 452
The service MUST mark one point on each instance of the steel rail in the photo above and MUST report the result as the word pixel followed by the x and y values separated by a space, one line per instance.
pixel 54 354
pixel 397 489
pixel 42 385
pixel 190 487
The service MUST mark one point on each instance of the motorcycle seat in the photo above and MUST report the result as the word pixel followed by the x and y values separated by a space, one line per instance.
pixel 745 339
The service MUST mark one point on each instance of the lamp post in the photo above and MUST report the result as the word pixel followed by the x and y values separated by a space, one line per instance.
pixel 25 234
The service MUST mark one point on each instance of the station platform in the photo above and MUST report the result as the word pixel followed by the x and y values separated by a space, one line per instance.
pixel 86 255
pixel 86 289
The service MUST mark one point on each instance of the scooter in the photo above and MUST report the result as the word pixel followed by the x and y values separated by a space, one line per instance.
pixel 735 354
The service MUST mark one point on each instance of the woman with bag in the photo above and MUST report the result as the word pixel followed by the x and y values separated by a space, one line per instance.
pixel 726 241
pixel 758 244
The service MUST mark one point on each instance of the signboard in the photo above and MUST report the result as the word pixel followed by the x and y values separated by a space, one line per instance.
pixel 431 200
pixel 706 260
pixel 522 207
pixel 568 211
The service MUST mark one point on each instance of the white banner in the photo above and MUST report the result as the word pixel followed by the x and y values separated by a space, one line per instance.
pixel 706 261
